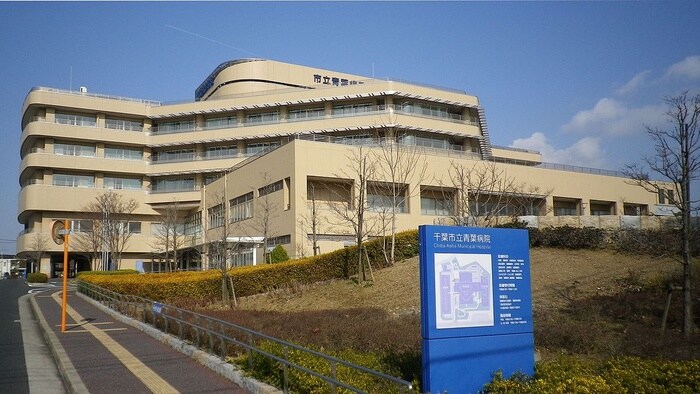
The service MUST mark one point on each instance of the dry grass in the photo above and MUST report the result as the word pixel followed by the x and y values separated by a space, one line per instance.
pixel 599 303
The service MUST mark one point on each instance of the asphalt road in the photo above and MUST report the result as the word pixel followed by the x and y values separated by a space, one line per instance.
pixel 25 363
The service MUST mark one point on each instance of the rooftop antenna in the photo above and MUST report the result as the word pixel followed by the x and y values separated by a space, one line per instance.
pixel 70 80
pixel 372 70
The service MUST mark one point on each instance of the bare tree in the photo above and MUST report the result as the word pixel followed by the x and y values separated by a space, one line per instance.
pixel 38 245
pixel 404 167
pixel 482 193
pixel 91 243
pixel 677 160
pixel 265 212
pixel 114 212
pixel 169 237
pixel 312 221
pixel 360 170
pixel 220 249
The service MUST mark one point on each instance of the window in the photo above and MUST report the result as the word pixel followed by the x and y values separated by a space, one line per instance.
pixel 113 152
pixel 352 109
pixel 566 207
pixel 436 202
pixel 122 183
pixel 173 184
pixel 81 226
pixel 122 124
pixel 666 196
pixel 281 240
pixel 266 117
pixel 242 207
pixel 253 149
pixel 174 155
pixel 220 123
pixel 134 227
pixel 74 150
pixel 76 120
pixel 635 209
pixel 215 152
pixel 381 197
pixel 175 127
pixel 71 180
pixel 602 208
pixel 209 178
pixel 271 188
pixel 193 224
pixel 216 216
pixel 298 114
pixel 157 229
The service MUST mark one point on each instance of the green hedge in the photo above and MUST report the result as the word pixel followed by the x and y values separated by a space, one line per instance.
pixel 257 279
pixel 117 272
pixel 618 375
pixel 37 277
pixel 271 371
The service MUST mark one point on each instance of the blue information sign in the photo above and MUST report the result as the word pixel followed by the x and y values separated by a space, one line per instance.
pixel 476 306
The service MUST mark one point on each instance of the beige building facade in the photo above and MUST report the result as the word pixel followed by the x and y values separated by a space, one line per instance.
pixel 271 154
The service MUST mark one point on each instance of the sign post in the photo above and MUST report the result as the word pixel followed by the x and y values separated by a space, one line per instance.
pixel 65 232
pixel 476 306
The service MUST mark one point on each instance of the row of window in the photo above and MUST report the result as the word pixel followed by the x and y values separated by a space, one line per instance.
pixel 177 126
pixel 86 226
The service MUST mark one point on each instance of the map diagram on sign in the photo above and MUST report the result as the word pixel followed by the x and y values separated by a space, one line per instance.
pixel 464 290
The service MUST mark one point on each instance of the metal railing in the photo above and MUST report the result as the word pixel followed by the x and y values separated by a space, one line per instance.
pixel 224 339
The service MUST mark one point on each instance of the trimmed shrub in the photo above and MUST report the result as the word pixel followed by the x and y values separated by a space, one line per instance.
pixel 572 237
pixel 278 255
pixel 249 280
pixel 272 372
pixel 37 277
pixel 618 375
pixel 117 272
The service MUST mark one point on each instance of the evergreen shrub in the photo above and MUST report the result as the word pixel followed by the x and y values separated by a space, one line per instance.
pixel 37 277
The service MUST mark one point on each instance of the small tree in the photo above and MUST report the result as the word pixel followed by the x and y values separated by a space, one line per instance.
pixel 38 245
pixel 114 212
pixel 401 165
pixel 677 160
pixel 278 255
pixel 360 170
pixel 169 237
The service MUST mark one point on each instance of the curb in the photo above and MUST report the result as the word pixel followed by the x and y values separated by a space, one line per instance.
pixel 69 375
pixel 212 362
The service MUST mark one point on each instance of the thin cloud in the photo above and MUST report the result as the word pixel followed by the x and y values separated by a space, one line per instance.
pixel 586 152
pixel 635 83
pixel 613 117
pixel 687 68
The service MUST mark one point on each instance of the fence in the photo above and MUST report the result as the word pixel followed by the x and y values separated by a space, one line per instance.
pixel 225 339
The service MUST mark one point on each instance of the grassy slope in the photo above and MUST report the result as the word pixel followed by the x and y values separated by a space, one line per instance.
pixel 598 303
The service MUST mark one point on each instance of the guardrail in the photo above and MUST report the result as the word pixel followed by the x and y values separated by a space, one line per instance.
pixel 225 339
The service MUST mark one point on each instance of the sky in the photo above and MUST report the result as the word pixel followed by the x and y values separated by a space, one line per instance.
pixel 577 81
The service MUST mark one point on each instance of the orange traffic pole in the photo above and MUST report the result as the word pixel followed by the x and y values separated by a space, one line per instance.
pixel 65 275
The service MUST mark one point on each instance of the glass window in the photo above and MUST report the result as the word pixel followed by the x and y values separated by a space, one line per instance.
pixel 219 123
pixel 216 216
pixel 214 152
pixel 267 117
pixel 74 150
pixel 122 124
pixel 242 207
pixel 271 188
pixel 253 149
pixel 174 155
pixel 297 114
pixel 134 227
pixel 281 240
pixel 71 180
pixel 352 109
pixel 76 120
pixel 122 183
pixel 380 198
pixel 193 224
pixel 175 127
pixel 121 153
pixel 173 184
pixel 81 226
pixel 436 202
